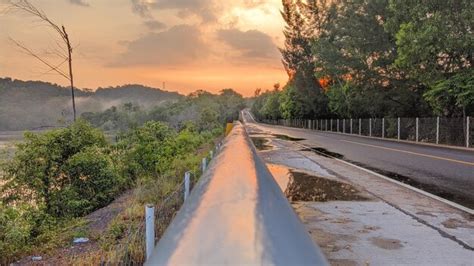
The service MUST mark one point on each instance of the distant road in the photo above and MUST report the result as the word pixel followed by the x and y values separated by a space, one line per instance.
pixel 446 172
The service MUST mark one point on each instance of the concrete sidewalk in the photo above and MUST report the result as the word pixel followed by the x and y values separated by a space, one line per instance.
pixel 392 226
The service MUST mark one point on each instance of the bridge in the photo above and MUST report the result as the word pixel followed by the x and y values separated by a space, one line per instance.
pixel 238 215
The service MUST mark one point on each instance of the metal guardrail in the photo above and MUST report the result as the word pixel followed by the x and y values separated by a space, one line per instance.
pixel 237 215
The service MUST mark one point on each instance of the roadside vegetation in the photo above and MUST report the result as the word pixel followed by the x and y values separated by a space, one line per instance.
pixel 375 58
pixel 58 177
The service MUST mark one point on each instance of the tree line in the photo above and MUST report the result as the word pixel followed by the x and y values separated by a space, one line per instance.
pixel 374 58
pixel 57 177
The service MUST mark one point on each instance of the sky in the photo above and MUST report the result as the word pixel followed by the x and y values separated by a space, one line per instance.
pixel 189 44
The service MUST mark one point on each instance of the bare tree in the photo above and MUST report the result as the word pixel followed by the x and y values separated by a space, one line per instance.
pixel 64 51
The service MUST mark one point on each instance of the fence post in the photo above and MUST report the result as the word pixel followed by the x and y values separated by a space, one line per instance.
pixel 344 126
pixel 331 125
pixel 187 184
pixel 326 124
pixel 398 128
pixel 417 121
pixel 360 126
pixel 437 130
pixel 204 164
pixel 149 229
pixel 337 125
pixel 351 125
pixel 468 132
pixel 370 127
pixel 383 127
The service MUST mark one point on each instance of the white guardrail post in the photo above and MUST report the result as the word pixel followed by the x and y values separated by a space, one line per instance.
pixel 149 229
pixel 204 164
pixel 187 184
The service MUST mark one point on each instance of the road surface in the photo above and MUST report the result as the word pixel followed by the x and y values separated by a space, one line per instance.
pixel 446 172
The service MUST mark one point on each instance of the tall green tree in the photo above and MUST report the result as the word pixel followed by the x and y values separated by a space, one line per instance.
pixel 435 45
pixel 355 53
pixel 299 63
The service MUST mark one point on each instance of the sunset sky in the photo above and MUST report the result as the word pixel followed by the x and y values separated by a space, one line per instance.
pixel 189 44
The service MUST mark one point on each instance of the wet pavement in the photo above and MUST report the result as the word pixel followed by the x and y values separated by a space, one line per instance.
pixel 376 222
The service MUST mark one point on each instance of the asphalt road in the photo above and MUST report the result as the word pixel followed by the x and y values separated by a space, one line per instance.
pixel 446 172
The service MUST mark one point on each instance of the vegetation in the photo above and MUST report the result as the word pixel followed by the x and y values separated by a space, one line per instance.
pixel 374 58
pixel 28 105
pixel 57 177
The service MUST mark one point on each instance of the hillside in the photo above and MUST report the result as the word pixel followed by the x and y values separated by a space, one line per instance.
pixel 33 104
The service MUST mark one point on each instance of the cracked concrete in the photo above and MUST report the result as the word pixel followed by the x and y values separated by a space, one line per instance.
pixel 396 226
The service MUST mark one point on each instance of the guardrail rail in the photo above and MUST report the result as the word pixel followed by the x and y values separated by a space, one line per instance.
pixel 236 214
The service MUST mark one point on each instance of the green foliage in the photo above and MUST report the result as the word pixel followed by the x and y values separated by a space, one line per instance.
pixel 435 46
pixel 207 110
pixel 42 167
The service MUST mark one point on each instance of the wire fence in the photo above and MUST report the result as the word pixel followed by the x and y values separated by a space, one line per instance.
pixel 452 131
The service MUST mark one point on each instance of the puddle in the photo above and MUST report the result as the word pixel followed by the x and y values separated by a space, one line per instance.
pixel 261 143
pixel 281 174
pixel 285 137
pixel 324 152
pixel 305 187
pixel 386 243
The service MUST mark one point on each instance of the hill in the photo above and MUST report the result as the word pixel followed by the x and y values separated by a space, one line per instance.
pixel 33 104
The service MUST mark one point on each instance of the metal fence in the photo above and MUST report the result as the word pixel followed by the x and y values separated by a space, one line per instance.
pixel 452 131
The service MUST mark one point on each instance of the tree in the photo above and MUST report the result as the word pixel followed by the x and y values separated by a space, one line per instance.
pixel 64 172
pixel 435 46
pixel 355 53
pixel 63 51
pixel 299 62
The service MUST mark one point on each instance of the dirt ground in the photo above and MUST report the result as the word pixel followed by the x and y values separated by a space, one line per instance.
pixel 97 224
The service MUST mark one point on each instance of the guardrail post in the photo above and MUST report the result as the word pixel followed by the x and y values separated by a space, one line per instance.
pixel 187 184
pixel 468 132
pixel 417 121
pixel 370 127
pixel 351 125
pixel 383 127
pixel 204 164
pixel 330 125
pixel 437 130
pixel 326 124
pixel 344 125
pixel 398 128
pixel 149 229
pixel 360 126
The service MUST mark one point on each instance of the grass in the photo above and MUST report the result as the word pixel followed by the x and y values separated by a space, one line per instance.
pixel 123 241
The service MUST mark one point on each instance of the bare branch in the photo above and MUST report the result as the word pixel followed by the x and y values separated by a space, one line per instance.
pixel 33 54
